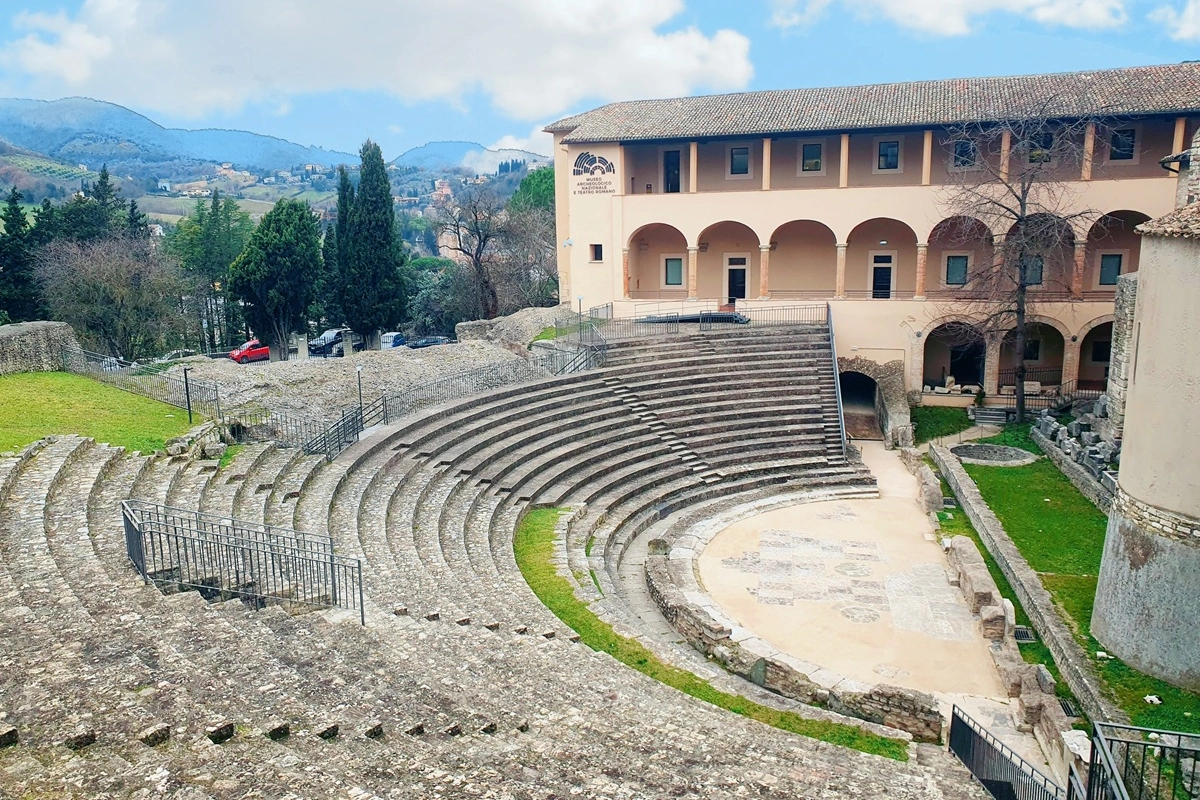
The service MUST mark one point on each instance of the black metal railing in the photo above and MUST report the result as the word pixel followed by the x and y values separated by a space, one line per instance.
pixel 1055 398
pixel 837 382
pixel 1001 771
pixel 1050 376
pixel 1131 763
pixel 223 559
pixel 204 396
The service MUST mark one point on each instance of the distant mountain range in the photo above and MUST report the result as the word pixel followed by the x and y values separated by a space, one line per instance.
pixel 78 130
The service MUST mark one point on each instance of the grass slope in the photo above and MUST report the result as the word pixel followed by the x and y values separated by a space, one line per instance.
pixel 1061 534
pixel 37 404
pixel 534 546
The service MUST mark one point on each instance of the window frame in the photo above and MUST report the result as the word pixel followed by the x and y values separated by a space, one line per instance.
pixel 749 174
pixel 684 170
pixel 878 140
pixel 946 256
pixel 1092 355
pixel 824 170
pixel 895 265
pixel 1099 258
pixel 1041 351
pixel 592 253
pixel 662 272
pixel 1051 158
pixel 952 164
pixel 1136 127
pixel 1041 275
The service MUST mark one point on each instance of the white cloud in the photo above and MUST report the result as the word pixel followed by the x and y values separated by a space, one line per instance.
pixel 532 58
pixel 538 141
pixel 958 17
pixel 1182 25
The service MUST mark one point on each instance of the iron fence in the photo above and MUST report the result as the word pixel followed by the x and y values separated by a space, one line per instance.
pixel 1001 771
pixel 1058 397
pixel 223 559
pixel 1131 763
pixel 205 397
pixel 1051 376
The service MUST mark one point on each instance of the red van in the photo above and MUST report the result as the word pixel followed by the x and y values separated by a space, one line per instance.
pixel 252 350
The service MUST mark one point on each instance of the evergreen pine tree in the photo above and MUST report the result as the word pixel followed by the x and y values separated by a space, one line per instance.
pixel 20 295
pixel 370 260
pixel 138 226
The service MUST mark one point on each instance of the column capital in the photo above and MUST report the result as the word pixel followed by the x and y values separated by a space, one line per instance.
pixel 922 245
pixel 693 248
pixel 764 247
pixel 842 245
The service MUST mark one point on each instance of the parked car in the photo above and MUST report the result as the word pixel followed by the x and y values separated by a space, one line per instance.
pixel 428 341
pixel 252 350
pixel 326 343
pixel 390 340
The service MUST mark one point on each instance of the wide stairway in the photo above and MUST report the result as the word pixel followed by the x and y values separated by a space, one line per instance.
pixel 461 684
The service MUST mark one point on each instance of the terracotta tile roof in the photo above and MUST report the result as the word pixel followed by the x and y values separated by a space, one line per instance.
pixel 1182 222
pixel 1166 89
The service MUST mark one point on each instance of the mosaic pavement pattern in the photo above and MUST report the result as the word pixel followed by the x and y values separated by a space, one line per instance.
pixel 792 566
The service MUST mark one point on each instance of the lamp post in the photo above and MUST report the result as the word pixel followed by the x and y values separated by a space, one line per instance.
pixel 187 392
pixel 580 299
pixel 358 369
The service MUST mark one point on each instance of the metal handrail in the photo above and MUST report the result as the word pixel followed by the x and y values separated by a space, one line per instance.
pixel 1032 783
pixel 1157 768
pixel 837 383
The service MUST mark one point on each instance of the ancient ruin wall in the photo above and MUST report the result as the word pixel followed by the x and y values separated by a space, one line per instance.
pixel 34 346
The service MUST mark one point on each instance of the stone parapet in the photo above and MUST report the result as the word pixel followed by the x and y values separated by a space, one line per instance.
pixel 1090 487
pixel 34 346
pixel 1070 657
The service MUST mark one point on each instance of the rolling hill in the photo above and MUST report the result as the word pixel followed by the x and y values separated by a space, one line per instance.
pixel 437 156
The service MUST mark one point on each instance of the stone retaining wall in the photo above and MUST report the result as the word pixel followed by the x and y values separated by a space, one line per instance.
pixel 1088 486
pixel 1071 659
pixel 34 346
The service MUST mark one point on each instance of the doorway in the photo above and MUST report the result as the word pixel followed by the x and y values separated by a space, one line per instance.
pixel 671 171
pixel 736 270
pixel 860 405
pixel 881 276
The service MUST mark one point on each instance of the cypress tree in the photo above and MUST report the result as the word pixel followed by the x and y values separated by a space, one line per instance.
pixel 20 294
pixel 370 260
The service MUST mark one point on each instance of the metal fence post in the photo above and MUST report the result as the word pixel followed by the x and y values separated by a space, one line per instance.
pixel 187 393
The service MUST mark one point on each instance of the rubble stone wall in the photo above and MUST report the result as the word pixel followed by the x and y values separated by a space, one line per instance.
pixel 1120 357
pixel 34 346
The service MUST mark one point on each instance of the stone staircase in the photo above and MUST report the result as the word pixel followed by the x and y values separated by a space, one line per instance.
pixel 462 684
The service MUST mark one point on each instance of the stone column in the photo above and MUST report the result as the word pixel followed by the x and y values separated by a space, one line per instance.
pixel 839 292
pixel 991 366
pixel 766 165
pixel 1070 369
pixel 1177 143
pixel 927 159
pixel 922 255
pixel 693 166
pixel 764 271
pixel 1005 153
pixel 1089 148
pixel 692 272
pixel 625 272
pixel 844 158
pixel 1079 268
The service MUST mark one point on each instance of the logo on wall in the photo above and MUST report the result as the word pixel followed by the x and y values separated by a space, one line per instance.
pixel 598 174
pixel 588 164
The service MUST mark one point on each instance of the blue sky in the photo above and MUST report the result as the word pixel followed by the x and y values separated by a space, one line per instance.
pixel 404 72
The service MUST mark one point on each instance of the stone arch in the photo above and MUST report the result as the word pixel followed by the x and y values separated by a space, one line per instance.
pixel 1052 239
pixel 719 247
pixel 649 248
pixel 891 402
pixel 860 405
pixel 1112 235
pixel 1095 355
pixel 868 243
pixel 803 260
pixel 957 349
pixel 1087 327
pixel 957 242
pixel 1057 360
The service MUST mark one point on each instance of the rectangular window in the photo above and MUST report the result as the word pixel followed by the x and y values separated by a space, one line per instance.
pixel 739 161
pixel 1034 267
pixel 1033 350
pixel 811 158
pixel 1110 269
pixel 674 271
pixel 671 171
pixel 1101 352
pixel 1041 148
pixel 966 154
pixel 889 155
pixel 956 270
pixel 1122 145
pixel 597 252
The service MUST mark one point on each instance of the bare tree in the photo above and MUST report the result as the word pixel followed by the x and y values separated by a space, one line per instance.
pixel 528 268
pixel 1018 179
pixel 471 226
pixel 120 295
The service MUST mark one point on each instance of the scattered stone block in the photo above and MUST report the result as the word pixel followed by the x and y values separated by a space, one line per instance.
pixel 155 735
pixel 213 450
pixel 991 618
pixel 220 732
pixel 940 390
pixel 1045 679
pixel 176 448
pixel 80 739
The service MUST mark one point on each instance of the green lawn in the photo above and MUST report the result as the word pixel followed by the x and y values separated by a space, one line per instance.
pixel 37 404
pixel 546 334
pixel 534 547
pixel 1061 535
pixel 933 422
